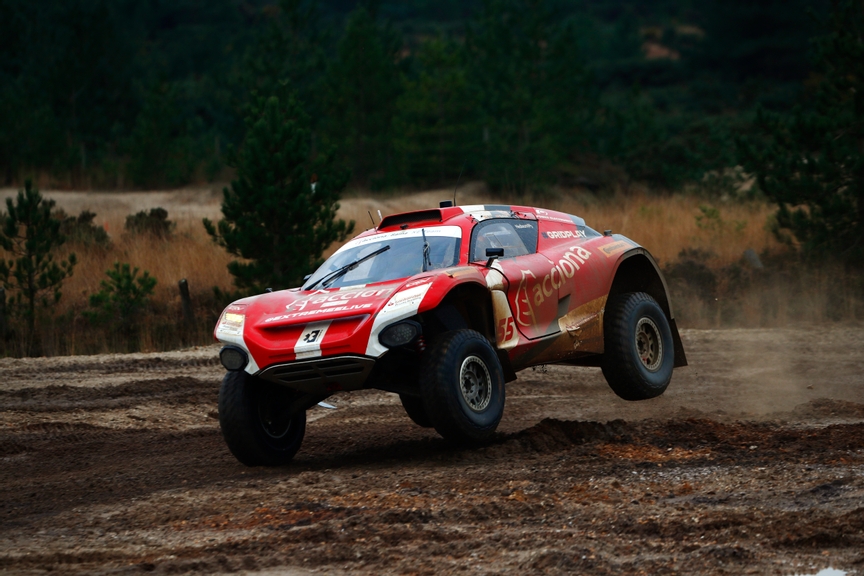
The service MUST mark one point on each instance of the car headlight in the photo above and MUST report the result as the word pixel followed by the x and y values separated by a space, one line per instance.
pixel 400 334
pixel 233 358
pixel 232 320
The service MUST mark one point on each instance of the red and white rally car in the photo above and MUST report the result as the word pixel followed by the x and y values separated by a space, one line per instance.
pixel 444 307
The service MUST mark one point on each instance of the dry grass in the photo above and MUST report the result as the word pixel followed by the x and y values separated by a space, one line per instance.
pixel 189 254
pixel 665 225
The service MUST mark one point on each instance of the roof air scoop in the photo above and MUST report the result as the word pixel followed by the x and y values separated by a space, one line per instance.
pixel 410 218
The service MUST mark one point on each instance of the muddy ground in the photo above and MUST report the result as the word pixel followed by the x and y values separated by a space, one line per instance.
pixel 752 462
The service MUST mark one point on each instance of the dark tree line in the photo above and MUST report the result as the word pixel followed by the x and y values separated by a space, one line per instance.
pixel 522 93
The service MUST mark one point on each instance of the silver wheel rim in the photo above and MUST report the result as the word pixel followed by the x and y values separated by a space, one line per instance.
pixel 649 346
pixel 475 383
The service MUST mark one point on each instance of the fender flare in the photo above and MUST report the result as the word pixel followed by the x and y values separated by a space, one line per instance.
pixel 447 296
pixel 637 271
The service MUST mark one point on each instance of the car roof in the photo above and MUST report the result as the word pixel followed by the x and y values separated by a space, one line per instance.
pixel 469 215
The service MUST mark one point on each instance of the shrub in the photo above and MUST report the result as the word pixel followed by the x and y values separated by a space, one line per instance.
pixel 154 223
pixel 122 300
pixel 81 230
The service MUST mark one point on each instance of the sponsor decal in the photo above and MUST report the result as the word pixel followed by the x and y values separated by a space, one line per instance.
pixel 335 299
pixel 484 212
pixel 506 329
pixel 562 234
pixel 524 309
pixel 446 231
pixel 309 343
pixel 523 226
pixel 563 270
pixel 306 313
pixel 419 282
pixel 408 298
pixel 546 215
pixel 615 248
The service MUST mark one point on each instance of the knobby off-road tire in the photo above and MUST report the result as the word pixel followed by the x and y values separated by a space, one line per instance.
pixel 462 386
pixel 416 410
pixel 255 423
pixel 639 353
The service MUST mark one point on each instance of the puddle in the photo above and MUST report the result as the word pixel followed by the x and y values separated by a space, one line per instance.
pixel 826 572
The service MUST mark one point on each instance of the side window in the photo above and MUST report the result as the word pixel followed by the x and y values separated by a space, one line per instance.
pixel 516 237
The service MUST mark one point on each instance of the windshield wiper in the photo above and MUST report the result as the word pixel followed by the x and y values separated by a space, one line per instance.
pixel 427 262
pixel 332 276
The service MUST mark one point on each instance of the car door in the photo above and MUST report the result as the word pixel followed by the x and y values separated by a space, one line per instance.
pixel 532 299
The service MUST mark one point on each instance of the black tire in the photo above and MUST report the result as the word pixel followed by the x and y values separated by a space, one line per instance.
pixel 462 385
pixel 639 353
pixel 255 423
pixel 416 411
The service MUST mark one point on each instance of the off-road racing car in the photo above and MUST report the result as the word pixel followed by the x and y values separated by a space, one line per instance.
pixel 443 307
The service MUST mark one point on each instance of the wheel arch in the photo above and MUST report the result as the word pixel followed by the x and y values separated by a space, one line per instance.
pixel 637 271
pixel 467 305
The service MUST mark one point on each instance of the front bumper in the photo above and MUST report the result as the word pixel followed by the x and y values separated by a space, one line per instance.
pixel 321 375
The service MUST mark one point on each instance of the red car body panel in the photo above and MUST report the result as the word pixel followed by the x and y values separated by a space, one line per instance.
pixel 546 306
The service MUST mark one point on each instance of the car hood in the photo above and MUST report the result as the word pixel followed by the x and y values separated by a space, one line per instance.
pixel 297 306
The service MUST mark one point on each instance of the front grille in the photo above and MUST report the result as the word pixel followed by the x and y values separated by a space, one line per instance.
pixel 321 374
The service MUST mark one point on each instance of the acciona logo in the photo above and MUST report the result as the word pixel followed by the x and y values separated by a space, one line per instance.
pixel 527 298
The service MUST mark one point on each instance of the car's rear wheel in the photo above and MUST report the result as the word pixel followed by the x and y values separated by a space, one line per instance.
pixel 462 384
pixel 416 411
pixel 256 422
pixel 639 353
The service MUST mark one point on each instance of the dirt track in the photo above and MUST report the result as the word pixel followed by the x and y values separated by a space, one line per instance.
pixel 752 462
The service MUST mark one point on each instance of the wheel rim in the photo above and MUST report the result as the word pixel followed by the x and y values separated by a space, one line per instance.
pixel 649 346
pixel 276 425
pixel 475 383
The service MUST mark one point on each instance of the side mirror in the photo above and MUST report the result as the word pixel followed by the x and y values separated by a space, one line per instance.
pixel 492 254
pixel 306 277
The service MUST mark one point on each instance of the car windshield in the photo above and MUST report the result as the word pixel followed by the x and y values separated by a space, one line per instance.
pixel 402 259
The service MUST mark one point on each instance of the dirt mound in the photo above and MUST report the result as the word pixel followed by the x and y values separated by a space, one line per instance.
pixel 826 407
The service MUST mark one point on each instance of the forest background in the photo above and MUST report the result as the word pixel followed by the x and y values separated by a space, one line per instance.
pixel 522 93
pixel 550 101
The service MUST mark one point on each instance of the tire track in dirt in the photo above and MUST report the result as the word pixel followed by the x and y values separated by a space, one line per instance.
pixel 150 364
pixel 115 464
pixel 64 398
pixel 55 451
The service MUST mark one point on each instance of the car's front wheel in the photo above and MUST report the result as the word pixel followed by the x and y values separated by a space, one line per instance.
pixel 639 353
pixel 416 410
pixel 462 384
pixel 256 420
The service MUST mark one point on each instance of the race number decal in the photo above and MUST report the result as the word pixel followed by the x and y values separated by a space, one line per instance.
pixel 309 343
pixel 506 326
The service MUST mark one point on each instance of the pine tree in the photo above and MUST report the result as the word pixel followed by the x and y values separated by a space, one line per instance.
pixel 274 216
pixel 529 80
pixel 121 301
pixel 437 132
pixel 291 48
pixel 30 235
pixel 363 84
pixel 811 162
